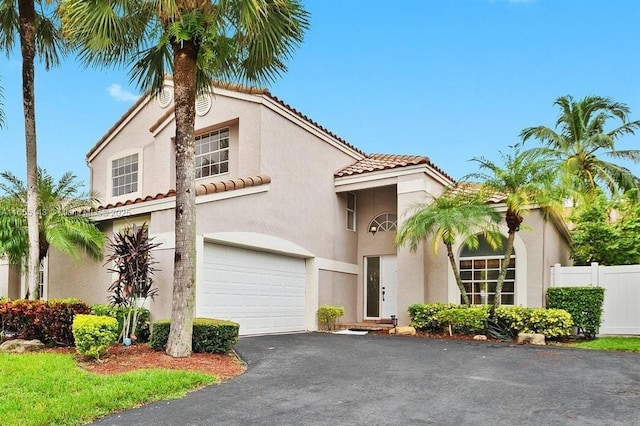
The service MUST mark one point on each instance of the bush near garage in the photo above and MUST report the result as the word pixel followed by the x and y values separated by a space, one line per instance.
pixel 209 335
pixel 142 330
pixel 329 315
pixel 437 317
pixel 583 303
pixel 48 321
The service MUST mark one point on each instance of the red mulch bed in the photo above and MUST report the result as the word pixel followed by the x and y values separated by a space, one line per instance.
pixel 443 336
pixel 120 359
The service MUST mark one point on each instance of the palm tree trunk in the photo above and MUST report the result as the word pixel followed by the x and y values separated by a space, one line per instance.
pixel 184 81
pixel 27 32
pixel 456 274
pixel 508 252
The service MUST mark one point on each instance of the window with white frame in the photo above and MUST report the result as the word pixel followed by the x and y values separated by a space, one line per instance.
pixel 124 175
pixel 351 211
pixel 479 270
pixel 212 153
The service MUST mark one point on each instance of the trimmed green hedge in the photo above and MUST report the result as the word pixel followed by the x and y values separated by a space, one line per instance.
pixel 94 334
pixel 422 316
pixel 463 320
pixel 209 335
pixel 143 328
pixel 329 315
pixel 583 303
pixel 437 317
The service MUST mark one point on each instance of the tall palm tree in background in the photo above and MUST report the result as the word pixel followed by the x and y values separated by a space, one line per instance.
pixel 60 223
pixel 198 42
pixel 523 180
pixel 33 22
pixel 456 215
pixel 581 140
pixel 2 116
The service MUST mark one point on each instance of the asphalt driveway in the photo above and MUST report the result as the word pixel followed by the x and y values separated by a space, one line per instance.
pixel 323 379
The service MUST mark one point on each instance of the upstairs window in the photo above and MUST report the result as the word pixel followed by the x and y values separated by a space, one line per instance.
pixel 212 153
pixel 124 175
pixel 351 211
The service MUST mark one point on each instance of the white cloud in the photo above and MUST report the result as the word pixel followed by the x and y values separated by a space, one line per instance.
pixel 119 94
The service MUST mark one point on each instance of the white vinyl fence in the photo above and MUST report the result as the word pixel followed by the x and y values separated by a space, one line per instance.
pixel 621 310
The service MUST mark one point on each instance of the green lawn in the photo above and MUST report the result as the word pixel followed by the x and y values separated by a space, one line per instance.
pixel 629 344
pixel 49 389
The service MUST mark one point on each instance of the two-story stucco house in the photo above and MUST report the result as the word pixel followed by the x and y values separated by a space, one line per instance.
pixel 289 217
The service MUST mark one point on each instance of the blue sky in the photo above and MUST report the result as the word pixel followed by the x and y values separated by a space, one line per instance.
pixel 449 79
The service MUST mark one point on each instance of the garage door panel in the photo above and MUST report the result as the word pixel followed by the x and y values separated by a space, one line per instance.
pixel 264 292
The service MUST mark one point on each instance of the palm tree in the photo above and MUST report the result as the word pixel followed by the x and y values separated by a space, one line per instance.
pixel 457 214
pixel 580 141
pixel 198 42
pixel 36 28
pixel 524 180
pixel 2 116
pixel 60 223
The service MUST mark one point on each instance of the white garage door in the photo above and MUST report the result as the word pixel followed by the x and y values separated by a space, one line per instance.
pixel 263 292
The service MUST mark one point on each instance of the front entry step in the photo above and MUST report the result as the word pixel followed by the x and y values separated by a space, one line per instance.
pixel 366 326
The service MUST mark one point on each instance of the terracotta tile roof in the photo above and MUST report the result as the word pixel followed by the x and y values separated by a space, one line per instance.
pixel 201 189
pixel 475 188
pixel 228 86
pixel 376 162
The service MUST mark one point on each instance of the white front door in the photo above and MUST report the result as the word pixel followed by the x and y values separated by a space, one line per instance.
pixel 380 287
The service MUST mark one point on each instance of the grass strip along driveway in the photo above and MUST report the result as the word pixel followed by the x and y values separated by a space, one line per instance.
pixel 50 389
pixel 625 344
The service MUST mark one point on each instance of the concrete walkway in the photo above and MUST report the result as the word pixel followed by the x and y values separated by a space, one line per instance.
pixel 322 379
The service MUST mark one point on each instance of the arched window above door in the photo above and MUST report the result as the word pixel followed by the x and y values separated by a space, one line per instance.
pixel 383 222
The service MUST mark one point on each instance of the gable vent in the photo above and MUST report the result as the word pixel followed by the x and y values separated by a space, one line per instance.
pixel 165 97
pixel 203 104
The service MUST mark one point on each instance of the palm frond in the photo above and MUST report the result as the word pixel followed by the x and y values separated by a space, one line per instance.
pixel 8 25
pixel 580 140
pixel 149 70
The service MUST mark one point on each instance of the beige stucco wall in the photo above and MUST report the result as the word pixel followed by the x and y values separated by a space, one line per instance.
pixel 9 280
pixel 134 136
pixel 339 289
pixel 436 269
pixel 86 279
